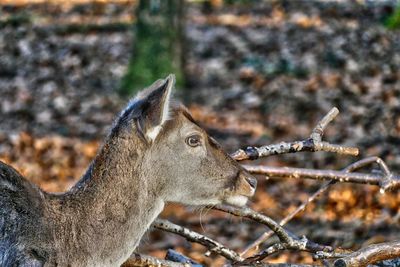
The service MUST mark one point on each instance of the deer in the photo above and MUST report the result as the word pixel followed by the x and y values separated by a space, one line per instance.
pixel 155 153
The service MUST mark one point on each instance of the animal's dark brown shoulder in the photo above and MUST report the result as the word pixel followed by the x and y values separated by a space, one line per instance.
pixel 12 181
pixel 20 215
pixel 10 178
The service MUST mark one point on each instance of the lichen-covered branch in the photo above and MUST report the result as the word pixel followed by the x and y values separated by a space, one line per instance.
pixel 385 182
pixel 312 144
pixel 139 260
pixel 261 264
pixel 193 236
pixel 370 255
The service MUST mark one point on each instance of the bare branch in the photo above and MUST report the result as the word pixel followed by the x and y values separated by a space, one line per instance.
pixel 370 255
pixel 365 162
pixel 302 244
pixel 258 217
pixel 385 182
pixel 261 264
pixel 175 256
pixel 265 253
pixel 318 131
pixel 138 260
pixel 312 144
pixel 192 236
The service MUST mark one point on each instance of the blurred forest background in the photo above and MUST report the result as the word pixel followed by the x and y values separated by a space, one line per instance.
pixel 252 72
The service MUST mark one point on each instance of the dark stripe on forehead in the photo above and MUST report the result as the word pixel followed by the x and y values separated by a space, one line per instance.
pixel 186 113
pixel 213 143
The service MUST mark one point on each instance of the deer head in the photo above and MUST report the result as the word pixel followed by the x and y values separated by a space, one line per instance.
pixel 181 161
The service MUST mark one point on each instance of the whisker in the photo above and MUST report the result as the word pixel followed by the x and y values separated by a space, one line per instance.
pixel 201 223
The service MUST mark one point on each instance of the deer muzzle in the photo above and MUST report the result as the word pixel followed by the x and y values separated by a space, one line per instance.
pixel 245 187
pixel 246 184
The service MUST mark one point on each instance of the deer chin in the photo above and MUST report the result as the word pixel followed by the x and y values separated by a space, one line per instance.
pixel 237 200
pixel 200 202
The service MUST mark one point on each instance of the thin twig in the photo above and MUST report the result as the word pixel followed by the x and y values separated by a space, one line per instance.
pixel 193 236
pixel 285 220
pixel 313 143
pixel 370 255
pixel 391 182
pixel 139 260
pixel 261 264
pixel 258 217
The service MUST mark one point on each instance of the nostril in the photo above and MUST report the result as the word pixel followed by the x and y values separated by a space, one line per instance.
pixel 252 181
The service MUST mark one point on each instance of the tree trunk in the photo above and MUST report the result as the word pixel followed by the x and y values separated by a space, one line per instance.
pixel 158 44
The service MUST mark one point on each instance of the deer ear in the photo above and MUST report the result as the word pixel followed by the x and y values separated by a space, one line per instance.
pixel 158 107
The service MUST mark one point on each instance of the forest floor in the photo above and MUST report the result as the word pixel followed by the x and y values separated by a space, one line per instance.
pixel 259 74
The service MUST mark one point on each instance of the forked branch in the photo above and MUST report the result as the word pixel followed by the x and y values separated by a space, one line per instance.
pixel 312 144
pixel 193 236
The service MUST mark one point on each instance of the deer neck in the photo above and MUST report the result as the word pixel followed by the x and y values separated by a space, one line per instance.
pixel 112 206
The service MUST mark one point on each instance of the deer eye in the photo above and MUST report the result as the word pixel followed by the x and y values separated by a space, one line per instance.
pixel 193 140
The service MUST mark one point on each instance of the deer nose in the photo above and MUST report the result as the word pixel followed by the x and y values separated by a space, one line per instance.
pixel 252 182
pixel 246 184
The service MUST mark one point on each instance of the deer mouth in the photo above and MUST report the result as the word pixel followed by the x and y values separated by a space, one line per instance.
pixel 244 188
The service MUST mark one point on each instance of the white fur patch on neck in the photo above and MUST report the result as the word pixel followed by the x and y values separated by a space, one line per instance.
pixel 238 201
